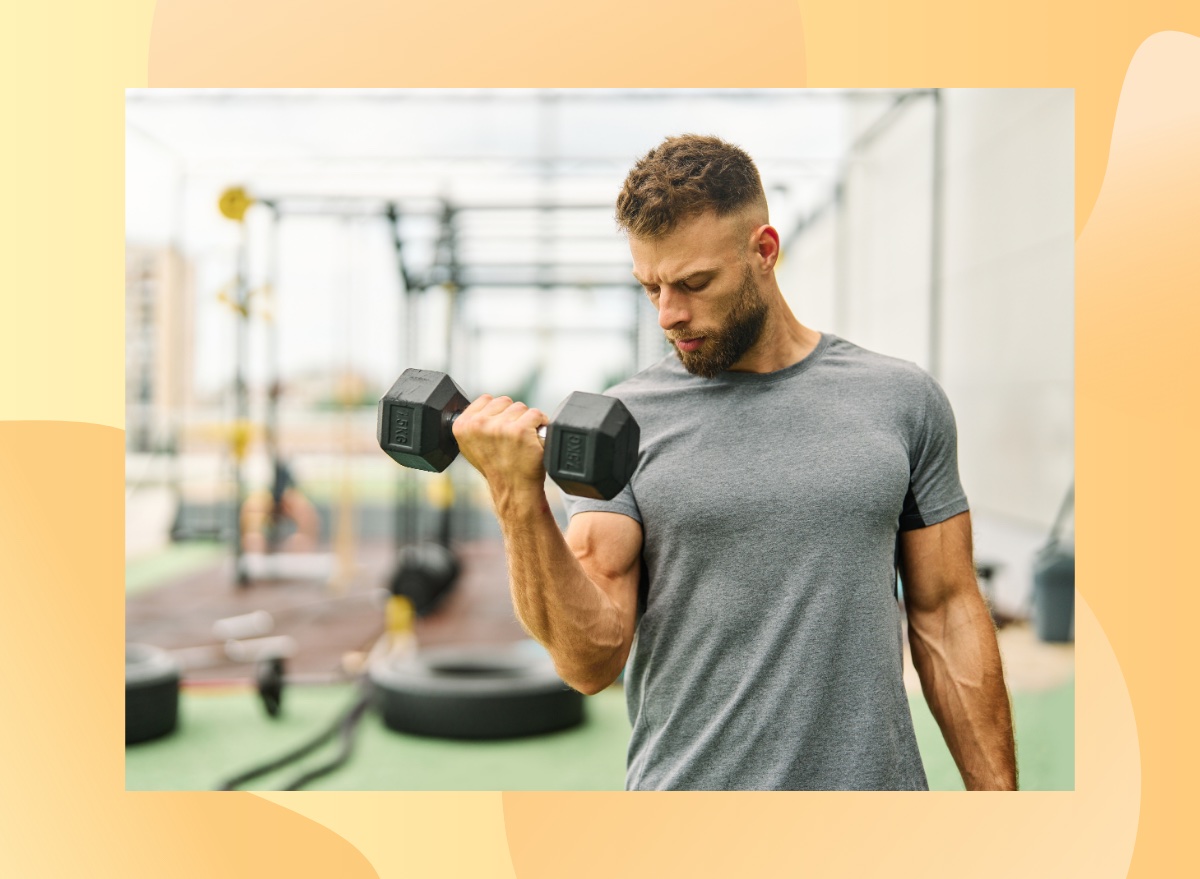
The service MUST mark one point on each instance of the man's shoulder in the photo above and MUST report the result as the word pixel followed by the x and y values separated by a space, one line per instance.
pixel 864 363
pixel 665 376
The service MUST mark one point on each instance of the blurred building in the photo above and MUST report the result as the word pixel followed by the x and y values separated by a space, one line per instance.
pixel 159 345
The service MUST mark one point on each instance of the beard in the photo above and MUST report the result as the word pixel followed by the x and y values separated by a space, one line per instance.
pixel 724 347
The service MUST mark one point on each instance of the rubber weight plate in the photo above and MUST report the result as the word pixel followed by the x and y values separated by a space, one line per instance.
pixel 413 420
pixel 425 574
pixel 592 446
pixel 474 693
pixel 151 693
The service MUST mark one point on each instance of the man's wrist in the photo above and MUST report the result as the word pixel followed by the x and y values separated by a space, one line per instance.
pixel 517 501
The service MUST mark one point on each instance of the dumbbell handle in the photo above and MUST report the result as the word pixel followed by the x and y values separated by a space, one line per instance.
pixel 591 452
pixel 541 431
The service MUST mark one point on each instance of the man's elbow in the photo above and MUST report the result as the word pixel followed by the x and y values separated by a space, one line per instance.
pixel 589 681
pixel 589 687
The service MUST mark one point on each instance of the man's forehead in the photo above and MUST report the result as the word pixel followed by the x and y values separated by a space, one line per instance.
pixel 696 240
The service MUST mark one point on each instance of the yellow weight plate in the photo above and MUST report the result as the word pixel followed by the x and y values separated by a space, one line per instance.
pixel 234 202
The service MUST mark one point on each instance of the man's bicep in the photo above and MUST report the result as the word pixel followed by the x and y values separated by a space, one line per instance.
pixel 937 562
pixel 609 548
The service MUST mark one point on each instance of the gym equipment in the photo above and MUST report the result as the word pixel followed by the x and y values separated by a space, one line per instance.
pixel 1054 580
pixel 591 443
pixel 343 728
pixel 245 640
pixel 234 202
pixel 151 693
pixel 247 625
pixel 473 693
pixel 396 640
pixel 269 681
pixel 262 566
pixel 261 649
pixel 424 574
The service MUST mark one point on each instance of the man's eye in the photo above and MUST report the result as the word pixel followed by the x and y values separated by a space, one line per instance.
pixel 651 291
pixel 693 286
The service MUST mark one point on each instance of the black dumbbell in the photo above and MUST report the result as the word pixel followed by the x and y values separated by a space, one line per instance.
pixel 591 443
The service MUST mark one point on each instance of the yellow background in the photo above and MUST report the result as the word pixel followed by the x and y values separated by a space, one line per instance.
pixel 1136 75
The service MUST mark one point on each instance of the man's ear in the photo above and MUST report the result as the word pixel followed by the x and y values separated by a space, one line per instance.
pixel 765 245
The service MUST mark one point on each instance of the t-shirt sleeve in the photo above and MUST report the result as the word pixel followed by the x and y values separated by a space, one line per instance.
pixel 623 503
pixel 934 490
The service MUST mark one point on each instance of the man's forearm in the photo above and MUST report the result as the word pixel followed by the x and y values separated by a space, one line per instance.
pixel 955 653
pixel 555 600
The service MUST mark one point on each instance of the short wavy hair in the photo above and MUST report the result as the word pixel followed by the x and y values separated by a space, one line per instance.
pixel 683 177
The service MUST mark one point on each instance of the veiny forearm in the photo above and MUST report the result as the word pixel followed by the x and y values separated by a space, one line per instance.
pixel 957 658
pixel 555 600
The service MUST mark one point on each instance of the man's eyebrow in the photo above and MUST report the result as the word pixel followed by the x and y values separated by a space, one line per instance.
pixel 687 277
pixel 695 272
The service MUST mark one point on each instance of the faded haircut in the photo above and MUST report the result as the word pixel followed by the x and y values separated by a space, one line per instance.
pixel 683 177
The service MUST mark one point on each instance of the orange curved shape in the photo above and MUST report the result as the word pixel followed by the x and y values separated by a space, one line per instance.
pixel 66 812
pixel 373 44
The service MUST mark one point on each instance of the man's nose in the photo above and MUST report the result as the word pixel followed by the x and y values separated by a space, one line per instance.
pixel 672 309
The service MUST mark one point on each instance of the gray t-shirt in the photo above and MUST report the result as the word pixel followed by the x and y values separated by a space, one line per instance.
pixel 768 651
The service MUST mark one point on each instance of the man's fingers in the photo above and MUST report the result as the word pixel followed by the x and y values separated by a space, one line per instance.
pixel 489 415
pixel 513 412
pixel 496 406
pixel 532 419
pixel 476 405
pixel 483 406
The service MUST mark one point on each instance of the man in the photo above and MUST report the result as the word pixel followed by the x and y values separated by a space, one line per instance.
pixel 783 474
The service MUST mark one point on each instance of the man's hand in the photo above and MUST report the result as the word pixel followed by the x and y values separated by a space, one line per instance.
pixel 499 438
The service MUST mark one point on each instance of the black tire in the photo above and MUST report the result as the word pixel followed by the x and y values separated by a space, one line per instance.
pixel 474 693
pixel 151 693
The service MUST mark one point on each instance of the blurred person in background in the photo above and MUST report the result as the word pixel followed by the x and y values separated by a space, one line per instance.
pixel 265 512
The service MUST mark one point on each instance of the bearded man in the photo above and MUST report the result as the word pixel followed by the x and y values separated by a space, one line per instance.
pixel 746 579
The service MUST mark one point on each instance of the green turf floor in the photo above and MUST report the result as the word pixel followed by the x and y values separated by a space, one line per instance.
pixel 170 563
pixel 1045 729
pixel 224 733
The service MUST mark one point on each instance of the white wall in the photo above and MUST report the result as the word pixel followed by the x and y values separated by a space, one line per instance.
pixel 807 272
pixel 1006 328
pixel 887 239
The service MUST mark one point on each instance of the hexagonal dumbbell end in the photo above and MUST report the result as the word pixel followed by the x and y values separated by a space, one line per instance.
pixel 592 446
pixel 413 423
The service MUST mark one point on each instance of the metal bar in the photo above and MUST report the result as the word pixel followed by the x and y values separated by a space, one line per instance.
pixel 574 329
pixel 476 285
pixel 520 265
pixel 937 211
pixel 217 160
pixel 499 234
pixel 841 261
pixel 428 206
pixel 275 379
pixel 241 402
pixel 408 288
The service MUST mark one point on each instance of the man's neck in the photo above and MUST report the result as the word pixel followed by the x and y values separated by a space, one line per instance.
pixel 784 341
